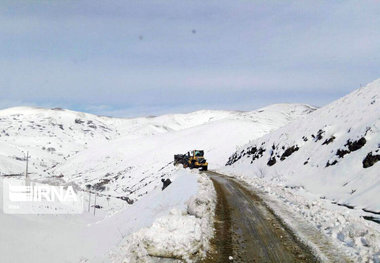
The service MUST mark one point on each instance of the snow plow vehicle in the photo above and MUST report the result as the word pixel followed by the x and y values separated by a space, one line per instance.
pixel 193 159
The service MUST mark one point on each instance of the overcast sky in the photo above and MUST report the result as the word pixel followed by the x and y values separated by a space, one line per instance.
pixel 133 58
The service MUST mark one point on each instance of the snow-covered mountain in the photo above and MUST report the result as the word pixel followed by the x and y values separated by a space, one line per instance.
pixel 332 152
pixel 50 135
pixel 125 157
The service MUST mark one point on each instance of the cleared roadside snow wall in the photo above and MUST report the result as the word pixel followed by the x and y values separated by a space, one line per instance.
pixel 183 234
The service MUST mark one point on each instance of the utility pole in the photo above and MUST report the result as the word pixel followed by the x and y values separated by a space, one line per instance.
pixel 27 179
pixel 95 204
pixel 89 200
pixel 27 162
pixel 89 196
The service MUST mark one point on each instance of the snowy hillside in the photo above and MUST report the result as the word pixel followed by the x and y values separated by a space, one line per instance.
pixel 50 136
pixel 131 166
pixel 332 152
pixel 122 157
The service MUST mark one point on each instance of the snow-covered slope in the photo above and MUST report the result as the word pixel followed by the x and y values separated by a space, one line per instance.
pixel 53 135
pixel 331 152
pixel 132 166
pixel 85 237
pixel 121 159
pixel 124 156
pixel 50 135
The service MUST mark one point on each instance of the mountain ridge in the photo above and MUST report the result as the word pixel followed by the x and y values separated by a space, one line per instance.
pixel 327 150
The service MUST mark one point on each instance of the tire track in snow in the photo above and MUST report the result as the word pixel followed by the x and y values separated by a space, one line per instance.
pixel 255 234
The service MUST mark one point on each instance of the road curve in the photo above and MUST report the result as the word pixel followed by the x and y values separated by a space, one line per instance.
pixel 248 231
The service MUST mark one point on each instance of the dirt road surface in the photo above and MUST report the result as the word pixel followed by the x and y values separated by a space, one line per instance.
pixel 248 231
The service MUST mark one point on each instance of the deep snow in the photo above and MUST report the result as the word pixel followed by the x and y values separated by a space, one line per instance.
pixel 183 234
pixel 74 238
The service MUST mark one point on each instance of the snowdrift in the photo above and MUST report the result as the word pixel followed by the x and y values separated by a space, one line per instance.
pixel 183 234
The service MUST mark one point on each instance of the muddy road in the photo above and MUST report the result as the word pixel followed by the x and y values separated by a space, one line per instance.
pixel 247 231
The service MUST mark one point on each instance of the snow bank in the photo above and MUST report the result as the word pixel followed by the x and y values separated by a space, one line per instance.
pixel 84 236
pixel 349 237
pixel 183 234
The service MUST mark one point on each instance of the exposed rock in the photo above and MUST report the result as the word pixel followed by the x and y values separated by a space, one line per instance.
pixel 370 160
pixel 257 154
pixel 356 145
pixel 101 185
pixel 233 159
pixel 79 121
pixel 341 153
pixel 328 141
pixel 253 151
pixel 127 199
pixel 272 161
pixel 352 146
pixel 289 152
pixel 50 149
pixel 330 164
pixel 319 135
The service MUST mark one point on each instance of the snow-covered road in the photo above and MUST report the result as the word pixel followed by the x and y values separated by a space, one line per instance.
pixel 248 231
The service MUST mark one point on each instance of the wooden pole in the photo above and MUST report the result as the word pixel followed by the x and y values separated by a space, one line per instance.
pixel 95 204
pixel 89 200
pixel 27 162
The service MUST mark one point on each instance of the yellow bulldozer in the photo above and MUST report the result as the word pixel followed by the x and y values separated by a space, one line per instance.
pixel 193 159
